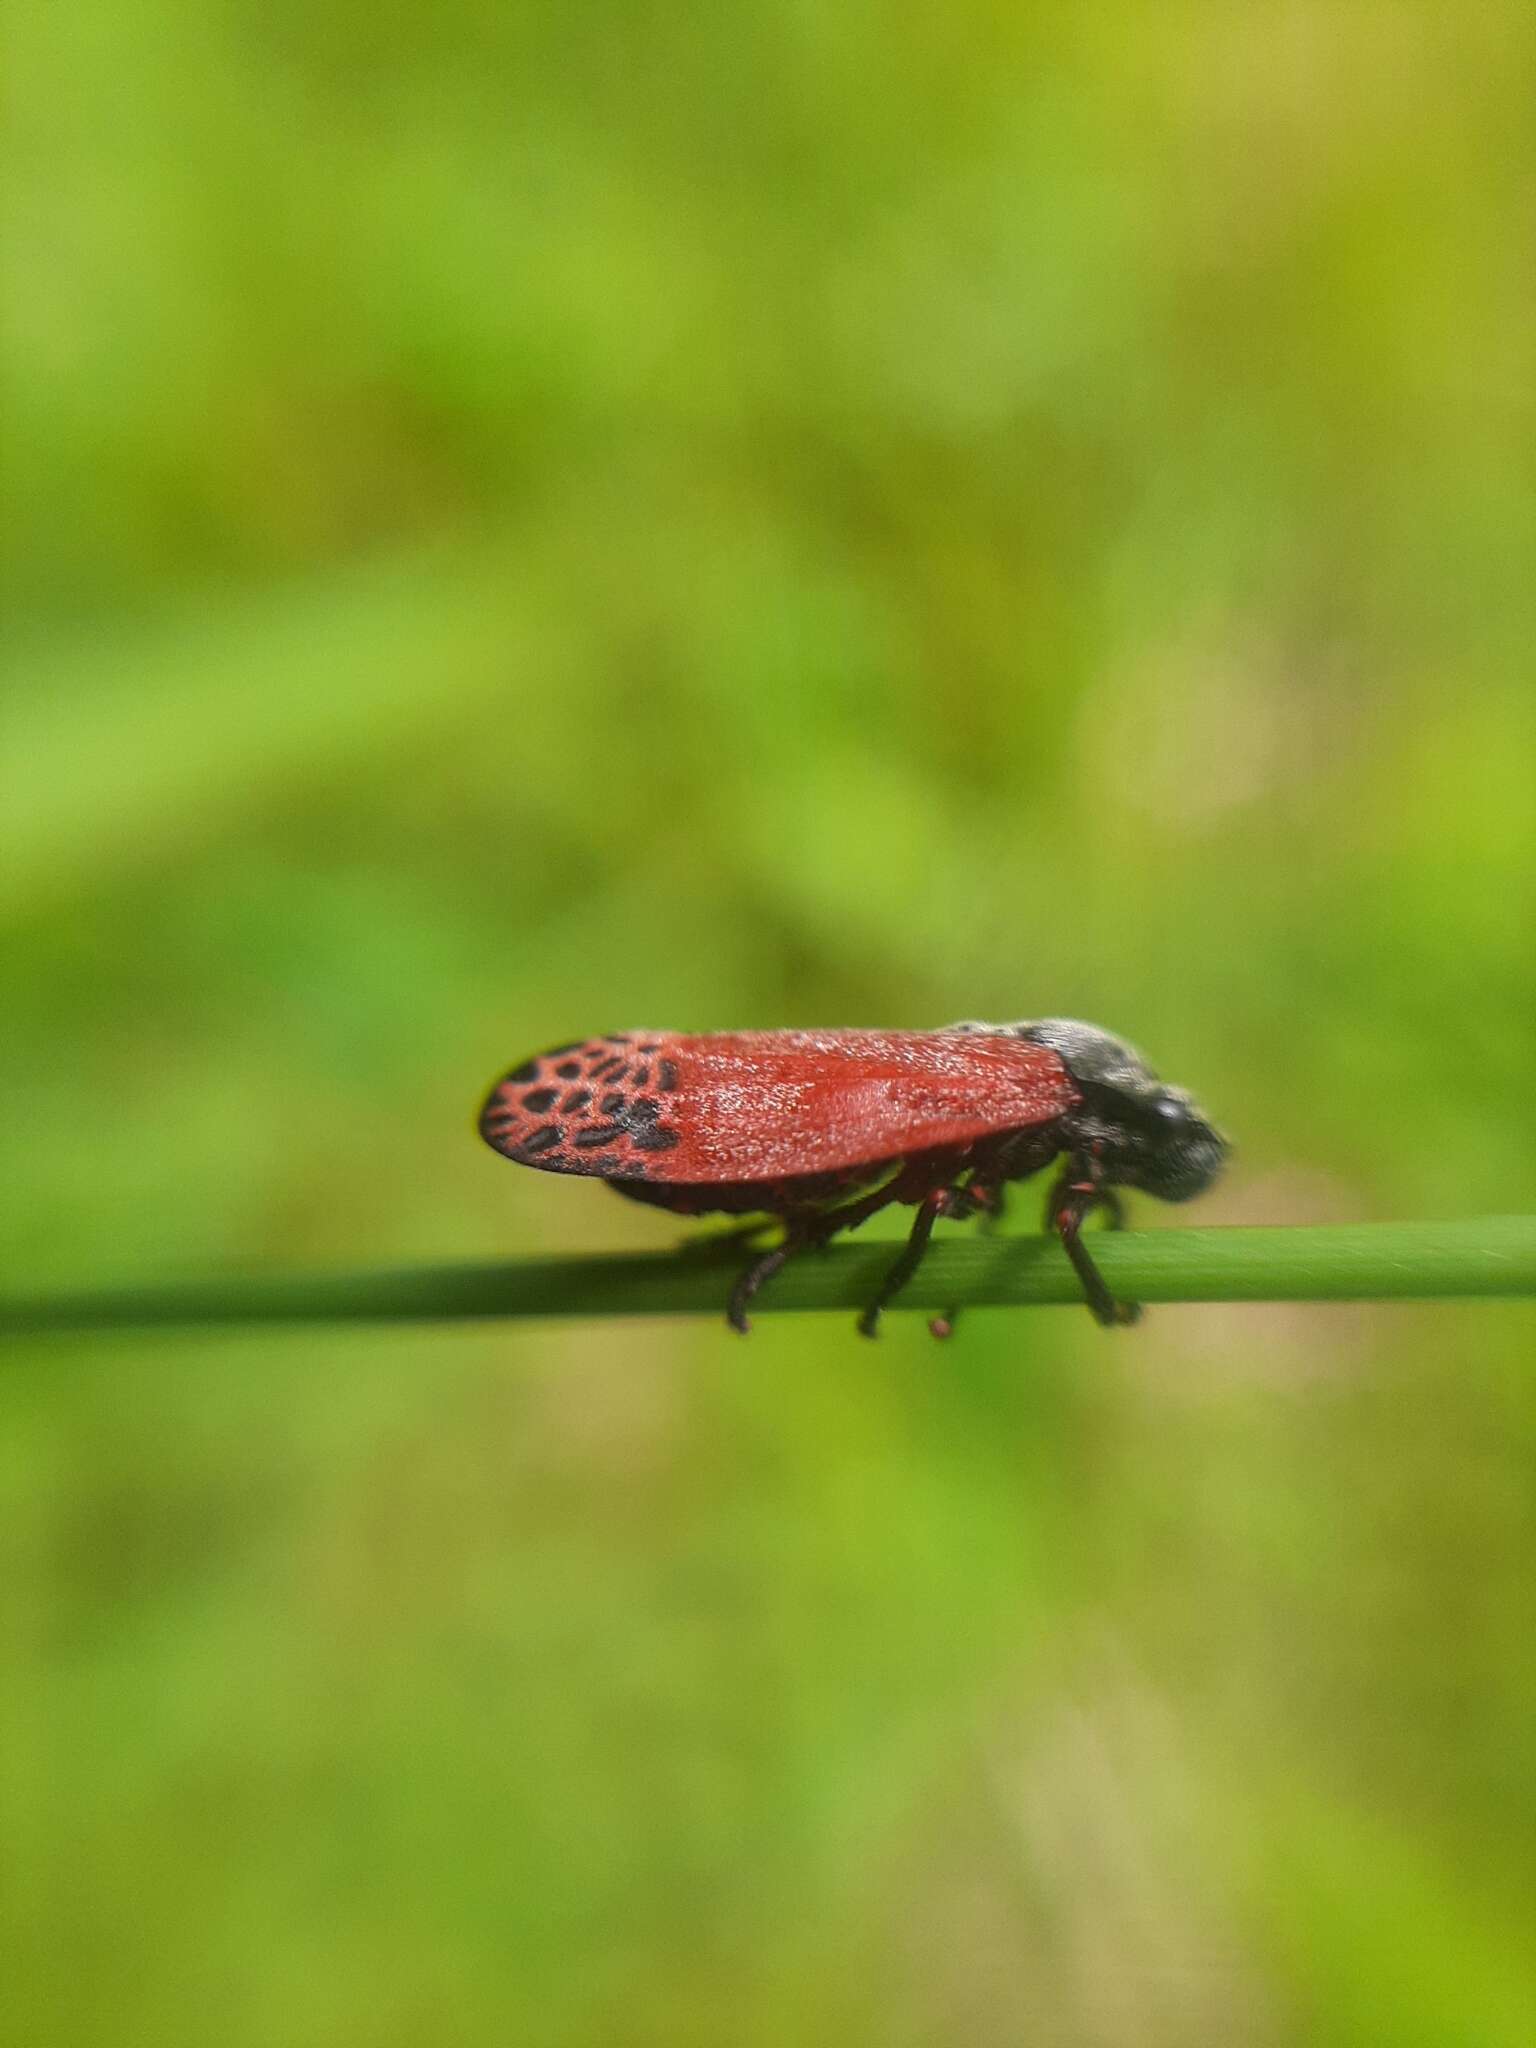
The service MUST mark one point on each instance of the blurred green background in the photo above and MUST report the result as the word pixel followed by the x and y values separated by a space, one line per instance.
pixel 527 520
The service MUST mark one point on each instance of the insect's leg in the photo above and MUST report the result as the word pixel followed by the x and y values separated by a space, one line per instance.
pixel 933 1205
pixel 1075 1196
pixel 991 1198
pixel 803 1230
pixel 762 1270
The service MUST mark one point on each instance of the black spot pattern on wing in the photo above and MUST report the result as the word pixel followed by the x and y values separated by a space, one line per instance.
pixel 654 1139
pixel 605 1126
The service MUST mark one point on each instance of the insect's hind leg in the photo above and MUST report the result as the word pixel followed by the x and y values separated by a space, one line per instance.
pixel 805 1230
pixel 761 1270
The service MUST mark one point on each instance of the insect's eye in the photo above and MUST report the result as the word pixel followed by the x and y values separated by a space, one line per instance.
pixel 1171 1111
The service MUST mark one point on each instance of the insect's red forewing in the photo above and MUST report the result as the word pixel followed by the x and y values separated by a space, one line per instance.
pixel 762 1105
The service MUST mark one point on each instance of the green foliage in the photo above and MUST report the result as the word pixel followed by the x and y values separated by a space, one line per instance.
pixel 523 521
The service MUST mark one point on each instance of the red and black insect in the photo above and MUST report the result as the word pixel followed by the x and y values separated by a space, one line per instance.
pixel 819 1129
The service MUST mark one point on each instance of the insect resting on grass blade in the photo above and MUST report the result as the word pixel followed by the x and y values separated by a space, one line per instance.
pixel 819 1129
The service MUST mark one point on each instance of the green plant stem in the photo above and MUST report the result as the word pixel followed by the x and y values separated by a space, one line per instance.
pixel 1491 1255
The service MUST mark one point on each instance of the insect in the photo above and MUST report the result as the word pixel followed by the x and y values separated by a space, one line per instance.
pixel 819 1129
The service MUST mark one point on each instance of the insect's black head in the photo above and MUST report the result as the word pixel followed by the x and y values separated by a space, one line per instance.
pixel 1142 1133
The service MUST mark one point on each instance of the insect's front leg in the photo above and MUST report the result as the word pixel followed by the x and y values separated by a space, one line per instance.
pixel 1078 1191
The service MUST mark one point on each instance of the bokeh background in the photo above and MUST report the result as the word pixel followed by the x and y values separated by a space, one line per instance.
pixel 528 520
